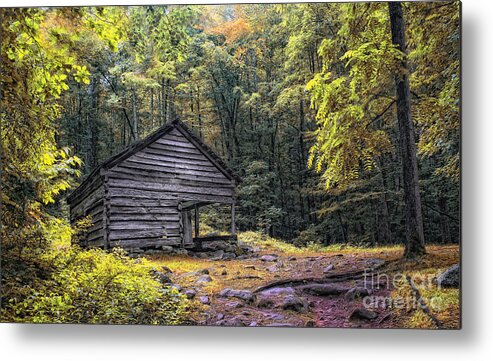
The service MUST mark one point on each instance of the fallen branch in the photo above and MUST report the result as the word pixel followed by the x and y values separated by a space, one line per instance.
pixel 422 303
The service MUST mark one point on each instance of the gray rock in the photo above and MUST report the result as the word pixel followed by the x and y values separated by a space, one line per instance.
pixel 356 292
pixel 294 303
pixel 217 255
pixel 329 268
pixel 190 294
pixel 292 258
pixel 162 277
pixel 234 304
pixel 272 269
pixel 204 279
pixel 277 291
pixel 450 277
pixel 219 316
pixel 362 314
pixel 241 294
pixel 229 255
pixel 216 245
pixel 205 300
pixel 253 324
pixel 321 289
pixel 269 258
pixel 265 302
pixel 235 322
pixel 176 287
pixel 167 249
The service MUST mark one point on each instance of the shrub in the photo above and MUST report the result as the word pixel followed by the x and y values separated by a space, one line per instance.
pixel 92 286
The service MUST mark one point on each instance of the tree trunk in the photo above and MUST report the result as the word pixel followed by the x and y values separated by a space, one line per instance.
pixel 414 218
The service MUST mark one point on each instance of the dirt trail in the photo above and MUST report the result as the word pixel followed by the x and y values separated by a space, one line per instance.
pixel 291 291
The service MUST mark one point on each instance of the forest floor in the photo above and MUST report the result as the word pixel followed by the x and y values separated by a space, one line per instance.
pixel 281 285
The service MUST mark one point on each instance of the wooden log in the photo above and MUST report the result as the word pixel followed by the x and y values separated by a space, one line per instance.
pixel 173 188
pixel 141 233
pixel 159 175
pixel 124 201
pixel 141 217
pixel 145 242
pixel 139 224
pixel 175 143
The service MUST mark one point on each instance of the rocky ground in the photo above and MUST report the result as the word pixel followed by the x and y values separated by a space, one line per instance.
pixel 265 286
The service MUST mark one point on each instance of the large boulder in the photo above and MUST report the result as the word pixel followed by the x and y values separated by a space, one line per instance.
pixel 450 277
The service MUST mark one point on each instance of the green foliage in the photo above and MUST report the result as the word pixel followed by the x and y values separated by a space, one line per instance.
pixel 89 286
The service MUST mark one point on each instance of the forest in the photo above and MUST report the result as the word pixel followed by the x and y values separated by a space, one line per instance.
pixel 342 120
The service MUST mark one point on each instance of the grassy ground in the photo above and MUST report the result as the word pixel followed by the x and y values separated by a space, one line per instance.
pixel 309 262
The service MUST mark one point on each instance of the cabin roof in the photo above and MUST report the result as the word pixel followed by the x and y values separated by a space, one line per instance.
pixel 141 144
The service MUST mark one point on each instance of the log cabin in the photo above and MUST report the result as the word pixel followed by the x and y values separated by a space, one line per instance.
pixel 143 197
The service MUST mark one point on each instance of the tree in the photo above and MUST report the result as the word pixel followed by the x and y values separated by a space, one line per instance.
pixel 412 199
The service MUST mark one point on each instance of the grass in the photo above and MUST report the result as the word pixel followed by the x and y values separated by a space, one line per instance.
pixel 313 249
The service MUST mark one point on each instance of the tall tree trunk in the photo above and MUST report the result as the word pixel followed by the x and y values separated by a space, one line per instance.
pixel 414 218
pixel 135 122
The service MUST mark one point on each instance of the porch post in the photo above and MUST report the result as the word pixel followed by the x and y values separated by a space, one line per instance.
pixel 197 221
pixel 233 223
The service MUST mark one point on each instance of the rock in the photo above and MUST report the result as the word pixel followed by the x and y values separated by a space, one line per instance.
pixel 242 257
pixel 249 266
pixel 235 322
pixel 321 289
pixel 329 268
pixel 234 304
pixel 167 249
pixel 292 258
pixel 224 272
pixel 204 300
pixel 265 302
pixel 277 291
pixel 200 255
pixel 295 303
pixel 356 292
pixel 204 271
pixel 219 316
pixel 176 287
pixel 190 294
pixel 217 255
pixel 182 252
pixel 253 324
pixel 362 314
pixel 272 269
pixel 164 278
pixel 241 294
pixel 450 277
pixel 216 245
pixel 228 255
pixel 269 258
pixel 204 279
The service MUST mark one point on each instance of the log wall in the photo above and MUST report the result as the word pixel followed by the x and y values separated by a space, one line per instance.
pixel 144 191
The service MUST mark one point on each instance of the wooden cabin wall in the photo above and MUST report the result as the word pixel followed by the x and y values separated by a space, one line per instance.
pixel 144 191
pixel 89 202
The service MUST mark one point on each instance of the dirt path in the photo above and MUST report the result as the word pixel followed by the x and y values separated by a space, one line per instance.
pixel 328 290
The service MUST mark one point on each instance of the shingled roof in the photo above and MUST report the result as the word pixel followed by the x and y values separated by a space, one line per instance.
pixel 141 144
